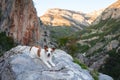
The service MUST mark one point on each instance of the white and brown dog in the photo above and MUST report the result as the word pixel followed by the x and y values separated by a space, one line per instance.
pixel 44 54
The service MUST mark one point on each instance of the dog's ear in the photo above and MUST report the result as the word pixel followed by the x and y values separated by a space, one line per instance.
pixel 38 52
pixel 45 47
pixel 53 49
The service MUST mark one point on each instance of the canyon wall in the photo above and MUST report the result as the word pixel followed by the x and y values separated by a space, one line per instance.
pixel 19 20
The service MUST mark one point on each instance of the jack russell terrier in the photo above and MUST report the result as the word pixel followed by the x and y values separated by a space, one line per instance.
pixel 44 54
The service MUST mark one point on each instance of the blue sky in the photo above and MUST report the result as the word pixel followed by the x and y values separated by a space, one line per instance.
pixel 76 5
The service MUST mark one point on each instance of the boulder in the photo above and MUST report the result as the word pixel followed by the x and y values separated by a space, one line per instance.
pixel 104 77
pixel 16 64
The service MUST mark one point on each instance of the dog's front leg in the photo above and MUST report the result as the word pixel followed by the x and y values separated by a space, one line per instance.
pixel 50 61
pixel 49 66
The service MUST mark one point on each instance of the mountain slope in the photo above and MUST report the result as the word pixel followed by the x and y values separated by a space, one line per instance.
pixel 62 17
pixel 102 41
pixel 98 46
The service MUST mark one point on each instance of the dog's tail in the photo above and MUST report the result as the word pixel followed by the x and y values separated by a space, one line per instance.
pixel 30 48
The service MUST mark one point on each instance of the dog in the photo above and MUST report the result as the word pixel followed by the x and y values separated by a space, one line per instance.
pixel 45 54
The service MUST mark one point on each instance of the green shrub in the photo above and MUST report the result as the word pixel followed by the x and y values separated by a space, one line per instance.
pixel 83 48
pixel 62 41
pixel 112 65
pixel 72 48
pixel 95 74
pixel 6 43
pixel 75 60
pixel 69 44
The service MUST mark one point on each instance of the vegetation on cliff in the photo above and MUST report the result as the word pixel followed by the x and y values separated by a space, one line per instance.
pixel 6 43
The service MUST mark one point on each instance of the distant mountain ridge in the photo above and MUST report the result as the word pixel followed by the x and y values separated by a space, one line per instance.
pixel 63 17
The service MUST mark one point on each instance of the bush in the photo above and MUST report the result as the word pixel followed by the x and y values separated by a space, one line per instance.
pixel 6 43
pixel 79 63
pixel 62 41
pixel 95 74
pixel 84 48
pixel 72 48
pixel 112 65
pixel 68 44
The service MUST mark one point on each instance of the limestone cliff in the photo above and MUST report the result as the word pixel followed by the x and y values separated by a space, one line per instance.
pixel 19 20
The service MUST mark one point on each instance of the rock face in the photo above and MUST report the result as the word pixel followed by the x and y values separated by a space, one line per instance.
pixel 62 17
pixel 111 12
pixel 19 20
pixel 16 64
pixel 104 77
pixel 26 68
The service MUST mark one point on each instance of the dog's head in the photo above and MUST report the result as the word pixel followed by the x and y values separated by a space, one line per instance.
pixel 49 51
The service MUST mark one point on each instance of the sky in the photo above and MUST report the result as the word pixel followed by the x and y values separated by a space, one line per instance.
pixel 85 6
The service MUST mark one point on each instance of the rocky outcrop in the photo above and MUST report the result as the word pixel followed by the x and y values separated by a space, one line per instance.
pixel 62 17
pixel 21 67
pixel 16 64
pixel 104 77
pixel 19 20
pixel 111 12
